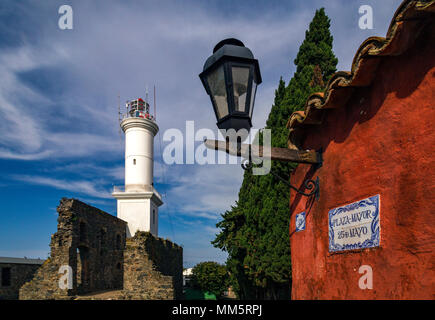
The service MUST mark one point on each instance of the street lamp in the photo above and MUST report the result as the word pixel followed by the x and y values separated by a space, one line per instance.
pixel 230 77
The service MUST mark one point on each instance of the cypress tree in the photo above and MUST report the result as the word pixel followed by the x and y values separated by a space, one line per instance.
pixel 255 232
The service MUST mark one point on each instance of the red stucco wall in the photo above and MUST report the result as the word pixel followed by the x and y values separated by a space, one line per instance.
pixel 381 142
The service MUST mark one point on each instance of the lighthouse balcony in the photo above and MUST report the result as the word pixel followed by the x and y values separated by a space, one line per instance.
pixel 135 189
pixel 134 192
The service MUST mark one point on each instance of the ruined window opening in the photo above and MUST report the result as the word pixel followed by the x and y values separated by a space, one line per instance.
pixel 6 277
pixel 83 272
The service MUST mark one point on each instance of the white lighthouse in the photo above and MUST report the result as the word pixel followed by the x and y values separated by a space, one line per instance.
pixel 138 201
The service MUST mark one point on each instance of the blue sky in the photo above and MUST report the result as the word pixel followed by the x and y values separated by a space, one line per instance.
pixel 59 135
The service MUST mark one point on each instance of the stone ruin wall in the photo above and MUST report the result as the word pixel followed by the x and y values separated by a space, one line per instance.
pixel 89 240
pixel 20 274
pixel 152 268
pixel 94 244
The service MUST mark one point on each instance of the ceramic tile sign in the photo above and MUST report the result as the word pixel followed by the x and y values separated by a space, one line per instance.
pixel 300 221
pixel 355 225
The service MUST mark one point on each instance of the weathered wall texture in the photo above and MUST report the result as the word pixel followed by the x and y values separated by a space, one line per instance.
pixel 381 142
pixel 94 244
pixel 89 240
pixel 152 268
pixel 19 274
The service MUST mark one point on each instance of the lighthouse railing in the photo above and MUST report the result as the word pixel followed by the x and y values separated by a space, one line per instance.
pixel 139 114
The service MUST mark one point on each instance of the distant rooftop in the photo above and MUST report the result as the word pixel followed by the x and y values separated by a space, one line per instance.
pixel 20 260
pixel 187 272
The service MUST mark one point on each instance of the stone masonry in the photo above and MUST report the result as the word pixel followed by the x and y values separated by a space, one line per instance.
pixel 19 273
pixel 152 268
pixel 89 240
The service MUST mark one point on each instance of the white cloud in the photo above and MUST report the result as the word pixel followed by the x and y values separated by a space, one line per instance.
pixel 213 231
pixel 167 51
pixel 204 191
pixel 119 48
pixel 88 169
pixel 7 154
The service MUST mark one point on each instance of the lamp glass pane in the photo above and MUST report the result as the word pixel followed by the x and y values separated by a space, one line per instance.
pixel 216 82
pixel 240 85
pixel 253 92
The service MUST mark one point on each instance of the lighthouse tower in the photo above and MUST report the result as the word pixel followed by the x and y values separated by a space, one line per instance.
pixel 138 201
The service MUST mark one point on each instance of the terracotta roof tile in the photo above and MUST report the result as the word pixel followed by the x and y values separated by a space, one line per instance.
pixel 409 19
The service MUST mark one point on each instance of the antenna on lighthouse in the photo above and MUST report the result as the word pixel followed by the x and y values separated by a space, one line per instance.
pixel 119 117
pixel 155 115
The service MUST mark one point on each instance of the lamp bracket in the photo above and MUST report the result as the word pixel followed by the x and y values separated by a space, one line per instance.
pixel 249 151
pixel 272 153
pixel 309 184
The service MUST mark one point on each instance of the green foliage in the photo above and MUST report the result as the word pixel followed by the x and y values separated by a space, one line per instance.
pixel 255 231
pixel 195 294
pixel 210 277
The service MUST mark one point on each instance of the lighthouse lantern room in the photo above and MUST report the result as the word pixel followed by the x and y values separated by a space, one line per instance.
pixel 138 201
